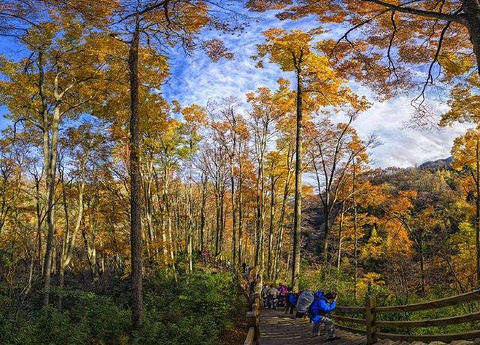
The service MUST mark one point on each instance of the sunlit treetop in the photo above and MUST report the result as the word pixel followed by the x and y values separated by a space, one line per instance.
pixel 397 45
pixel 322 84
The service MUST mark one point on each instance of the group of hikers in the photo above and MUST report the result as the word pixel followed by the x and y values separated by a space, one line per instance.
pixel 317 306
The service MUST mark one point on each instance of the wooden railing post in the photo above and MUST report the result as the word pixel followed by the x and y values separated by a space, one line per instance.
pixel 256 311
pixel 371 319
pixel 253 316
pixel 252 323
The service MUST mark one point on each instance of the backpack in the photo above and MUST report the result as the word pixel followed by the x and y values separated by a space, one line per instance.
pixel 292 298
pixel 304 302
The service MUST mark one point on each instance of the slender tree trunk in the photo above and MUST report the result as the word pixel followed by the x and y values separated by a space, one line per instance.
pixel 46 150
pixel 91 252
pixel 355 248
pixel 327 227
pixel 202 213
pixel 51 173
pixel 234 216
pixel 472 19
pixel 66 237
pixel 135 181
pixel 190 217
pixel 162 201
pixel 281 225
pixel 297 225
pixel 240 211
pixel 260 215
pixel 148 195
pixel 422 264
pixel 39 224
pixel 271 228
pixel 477 208
pixel 340 230
pixel 217 219
pixel 222 218
pixel 170 232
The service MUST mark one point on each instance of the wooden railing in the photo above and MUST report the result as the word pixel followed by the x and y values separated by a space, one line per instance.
pixel 370 311
pixel 253 316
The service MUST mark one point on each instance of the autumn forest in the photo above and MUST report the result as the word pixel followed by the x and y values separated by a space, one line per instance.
pixel 130 214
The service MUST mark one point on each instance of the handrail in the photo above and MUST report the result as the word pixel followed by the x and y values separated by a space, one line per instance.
pixel 350 309
pixel 440 303
pixel 431 337
pixel 348 319
pixel 370 311
pixel 453 320
pixel 253 316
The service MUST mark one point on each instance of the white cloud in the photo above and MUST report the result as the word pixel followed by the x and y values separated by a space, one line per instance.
pixel 196 80
pixel 402 146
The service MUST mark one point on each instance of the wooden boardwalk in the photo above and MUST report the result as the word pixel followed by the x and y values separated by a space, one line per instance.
pixel 278 328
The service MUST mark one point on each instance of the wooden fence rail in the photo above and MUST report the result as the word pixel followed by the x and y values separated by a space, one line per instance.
pixel 253 316
pixel 370 311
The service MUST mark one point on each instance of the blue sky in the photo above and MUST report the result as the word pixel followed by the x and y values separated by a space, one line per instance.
pixel 195 79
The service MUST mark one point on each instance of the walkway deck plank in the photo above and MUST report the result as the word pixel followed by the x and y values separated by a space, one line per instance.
pixel 278 328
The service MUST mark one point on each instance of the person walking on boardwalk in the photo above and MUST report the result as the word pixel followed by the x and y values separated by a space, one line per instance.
pixel 272 297
pixel 291 301
pixel 319 313
pixel 265 290
pixel 282 289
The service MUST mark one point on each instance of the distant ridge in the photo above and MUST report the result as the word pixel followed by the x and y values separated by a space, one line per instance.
pixel 439 164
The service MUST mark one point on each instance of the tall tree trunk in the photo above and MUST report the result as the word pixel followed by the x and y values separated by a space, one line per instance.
pixel 148 196
pixel 234 216
pixel 135 181
pixel 218 220
pixel 190 217
pixel 297 224
pixel 355 246
pixel 70 236
pixel 49 182
pixel 340 230
pixel 281 225
pixel 477 204
pixel 422 263
pixel 472 22
pixel 240 211
pixel 271 228
pixel 327 227
pixel 202 212
pixel 65 239
pixel 51 173
pixel 40 220
pixel 222 218
pixel 260 215
pixel 162 201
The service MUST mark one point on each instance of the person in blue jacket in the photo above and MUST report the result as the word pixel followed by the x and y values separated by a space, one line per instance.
pixel 319 311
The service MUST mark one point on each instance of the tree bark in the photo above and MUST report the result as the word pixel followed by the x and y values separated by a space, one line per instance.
pixel 297 225
pixel 240 210
pixel 202 212
pixel 135 181
pixel 355 245
pixel 271 227
pixel 477 208
pixel 51 173
pixel 340 230
pixel 422 264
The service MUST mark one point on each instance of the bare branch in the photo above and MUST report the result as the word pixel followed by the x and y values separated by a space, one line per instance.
pixel 427 14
